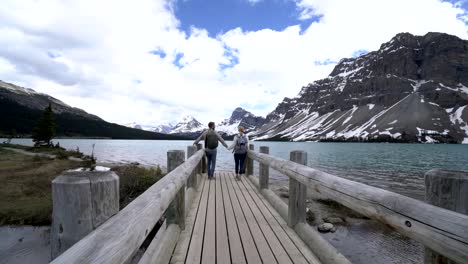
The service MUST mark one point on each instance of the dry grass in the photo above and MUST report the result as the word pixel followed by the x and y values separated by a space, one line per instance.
pixel 134 180
pixel 25 187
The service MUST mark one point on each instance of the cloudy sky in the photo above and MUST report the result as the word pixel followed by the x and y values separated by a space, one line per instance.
pixel 154 61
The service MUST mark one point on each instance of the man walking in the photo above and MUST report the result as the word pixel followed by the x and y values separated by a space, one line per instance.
pixel 211 138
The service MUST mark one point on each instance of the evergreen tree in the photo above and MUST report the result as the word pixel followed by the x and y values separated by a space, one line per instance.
pixel 44 131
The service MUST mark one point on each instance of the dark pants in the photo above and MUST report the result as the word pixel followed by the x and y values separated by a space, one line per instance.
pixel 211 160
pixel 239 160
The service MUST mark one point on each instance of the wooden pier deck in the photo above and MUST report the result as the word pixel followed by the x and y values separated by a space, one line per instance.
pixel 231 222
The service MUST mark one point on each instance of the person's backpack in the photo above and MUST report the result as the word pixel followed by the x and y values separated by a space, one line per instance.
pixel 211 140
pixel 241 145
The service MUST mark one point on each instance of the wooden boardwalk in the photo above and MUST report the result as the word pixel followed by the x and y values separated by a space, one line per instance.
pixel 231 222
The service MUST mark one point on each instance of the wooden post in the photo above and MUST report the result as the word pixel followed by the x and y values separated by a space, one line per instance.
pixel 264 170
pixel 297 193
pixel 176 211
pixel 82 201
pixel 192 180
pixel 203 160
pixel 249 168
pixel 449 190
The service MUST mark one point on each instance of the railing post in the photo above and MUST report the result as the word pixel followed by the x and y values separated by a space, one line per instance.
pixel 176 211
pixel 82 201
pixel 192 180
pixel 297 193
pixel 199 168
pixel 249 168
pixel 203 160
pixel 264 170
pixel 449 190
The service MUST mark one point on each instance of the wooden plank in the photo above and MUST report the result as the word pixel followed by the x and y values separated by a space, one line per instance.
pixel 324 251
pixel 263 247
pixel 280 231
pixel 235 243
pixel 161 248
pixel 128 229
pixel 441 230
pixel 222 244
pixel 181 250
pixel 209 241
pixel 250 248
pixel 194 253
pixel 276 246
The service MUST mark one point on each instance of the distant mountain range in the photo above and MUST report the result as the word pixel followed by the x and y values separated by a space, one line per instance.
pixel 21 108
pixel 413 89
pixel 192 128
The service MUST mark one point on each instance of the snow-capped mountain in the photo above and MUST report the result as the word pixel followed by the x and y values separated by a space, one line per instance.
pixel 165 128
pixel 240 117
pixel 413 89
pixel 187 125
pixel 134 125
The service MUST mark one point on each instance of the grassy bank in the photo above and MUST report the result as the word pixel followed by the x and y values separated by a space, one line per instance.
pixel 25 182
pixel 25 186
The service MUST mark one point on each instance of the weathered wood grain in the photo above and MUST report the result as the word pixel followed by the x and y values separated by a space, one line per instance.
pixel 235 243
pixel 297 192
pixel 223 254
pixel 249 165
pixel 264 170
pixel 322 249
pixel 209 241
pixel 250 248
pixel 161 248
pixel 116 240
pixel 261 243
pixel 439 229
pixel 449 190
pixel 175 214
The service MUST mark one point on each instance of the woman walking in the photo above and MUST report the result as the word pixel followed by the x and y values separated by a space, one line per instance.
pixel 240 146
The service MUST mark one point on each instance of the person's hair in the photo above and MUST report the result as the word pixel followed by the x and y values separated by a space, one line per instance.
pixel 241 128
pixel 211 125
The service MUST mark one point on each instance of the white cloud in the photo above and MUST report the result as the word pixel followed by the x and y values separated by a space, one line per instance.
pixel 95 54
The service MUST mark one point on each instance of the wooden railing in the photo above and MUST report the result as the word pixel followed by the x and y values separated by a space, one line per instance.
pixel 117 239
pixel 441 230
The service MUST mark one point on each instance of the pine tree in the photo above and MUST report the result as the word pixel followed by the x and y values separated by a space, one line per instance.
pixel 44 131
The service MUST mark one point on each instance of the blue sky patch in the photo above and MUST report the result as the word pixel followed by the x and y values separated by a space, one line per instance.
pixel 325 62
pixel 231 55
pixel 177 59
pixel 52 55
pixel 159 52
pixel 358 53
pixel 136 81
pixel 220 16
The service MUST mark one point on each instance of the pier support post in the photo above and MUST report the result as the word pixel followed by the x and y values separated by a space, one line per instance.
pixel 176 211
pixel 200 165
pixel 192 181
pixel 297 193
pixel 203 160
pixel 264 170
pixel 249 168
pixel 82 201
pixel 449 190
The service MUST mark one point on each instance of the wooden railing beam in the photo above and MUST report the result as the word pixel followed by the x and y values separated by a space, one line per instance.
pixel 441 230
pixel 116 240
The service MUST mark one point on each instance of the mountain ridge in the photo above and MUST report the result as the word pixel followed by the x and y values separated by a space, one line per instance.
pixel 358 101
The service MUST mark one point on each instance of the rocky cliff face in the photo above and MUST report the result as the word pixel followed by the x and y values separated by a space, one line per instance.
pixel 414 88
pixel 240 117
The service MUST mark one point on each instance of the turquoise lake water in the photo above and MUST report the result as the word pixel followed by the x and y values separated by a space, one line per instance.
pixel 395 167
